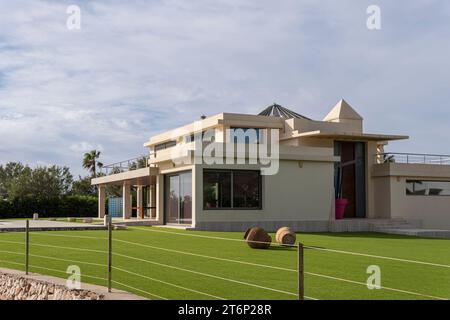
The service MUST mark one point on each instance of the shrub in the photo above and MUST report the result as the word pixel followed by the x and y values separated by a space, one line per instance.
pixel 66 206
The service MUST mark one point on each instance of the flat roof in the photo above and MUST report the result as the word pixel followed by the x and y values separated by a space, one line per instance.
pixel 347 135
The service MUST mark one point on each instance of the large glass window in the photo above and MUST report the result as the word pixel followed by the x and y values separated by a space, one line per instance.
pixel 165 145
pixel 178 207
pixel 205 136
pixel 427 188
pixel 246 189
pixel 231 189
pixel 216 189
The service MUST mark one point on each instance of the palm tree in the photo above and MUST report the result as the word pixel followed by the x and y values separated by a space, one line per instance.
pixel 90 161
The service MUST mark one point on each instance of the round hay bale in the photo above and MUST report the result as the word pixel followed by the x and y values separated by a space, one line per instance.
pixel 285 236
pixel 257 238
pixel 71 220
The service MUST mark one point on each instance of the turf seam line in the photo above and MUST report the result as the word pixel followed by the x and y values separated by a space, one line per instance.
pixel 208 275
pixel 84 275
pixel 59 247
pixel 58 259
pixel 205 256
pixel 379 257
pixel 50 269
pixel 54 270
pixel 314 274
pixel 309 273
pixel 217 238
pixel 12 262
pixel 292 270
pixel 130 287
pixel 381 287
pixel 306 247
pixel 168 283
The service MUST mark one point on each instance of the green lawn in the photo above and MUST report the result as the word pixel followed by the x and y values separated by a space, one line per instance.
pixel 173 264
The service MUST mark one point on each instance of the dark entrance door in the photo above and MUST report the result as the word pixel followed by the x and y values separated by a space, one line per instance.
pixel 350 177
pixel 178 198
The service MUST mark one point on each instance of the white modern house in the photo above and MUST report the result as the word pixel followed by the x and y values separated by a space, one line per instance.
pixel 232 171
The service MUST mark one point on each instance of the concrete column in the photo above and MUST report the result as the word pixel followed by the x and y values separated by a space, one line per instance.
pixel 152 200
pixel 101 201
pixel 160 198
pixel 197 190
pixel 126 197
pixel 139 198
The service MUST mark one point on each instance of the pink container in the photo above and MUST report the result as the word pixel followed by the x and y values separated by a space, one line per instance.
pixel 340 206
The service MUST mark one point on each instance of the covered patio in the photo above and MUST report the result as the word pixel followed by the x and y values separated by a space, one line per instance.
pixel 147 184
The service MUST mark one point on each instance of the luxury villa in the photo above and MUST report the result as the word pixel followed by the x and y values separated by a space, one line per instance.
pixel 279 168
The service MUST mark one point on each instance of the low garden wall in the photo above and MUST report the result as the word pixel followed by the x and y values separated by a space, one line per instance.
pixel 15 287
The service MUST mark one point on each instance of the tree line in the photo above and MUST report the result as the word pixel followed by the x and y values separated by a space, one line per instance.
pixel 48 190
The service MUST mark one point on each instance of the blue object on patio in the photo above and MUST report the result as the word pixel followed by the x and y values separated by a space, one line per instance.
pixel 115 207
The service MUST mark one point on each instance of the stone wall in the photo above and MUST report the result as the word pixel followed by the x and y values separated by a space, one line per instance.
pixel 16 287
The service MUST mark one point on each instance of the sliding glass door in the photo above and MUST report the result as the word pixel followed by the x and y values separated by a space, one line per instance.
pixel 178 198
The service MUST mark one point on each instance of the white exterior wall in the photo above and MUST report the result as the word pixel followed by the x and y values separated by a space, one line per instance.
pixel 433 211
pixel 391 201
pixel 301 195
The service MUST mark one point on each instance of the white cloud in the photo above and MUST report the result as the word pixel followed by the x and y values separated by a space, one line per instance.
pixel 138 67
pixel 83 147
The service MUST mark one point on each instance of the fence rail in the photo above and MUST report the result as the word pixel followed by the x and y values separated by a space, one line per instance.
pixel 110 267
pixel 126 165
pixel 412 158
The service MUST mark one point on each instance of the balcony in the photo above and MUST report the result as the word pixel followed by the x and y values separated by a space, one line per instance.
pixel 412 158
pixel 136 171
pixel 125 165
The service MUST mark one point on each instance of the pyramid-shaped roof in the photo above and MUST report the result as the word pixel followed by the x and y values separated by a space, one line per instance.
pixel 276 110
pixel 342 110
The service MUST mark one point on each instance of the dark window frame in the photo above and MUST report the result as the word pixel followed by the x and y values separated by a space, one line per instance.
pixel 231 171
pixel 165 192
pixel 165 145
pixel 413 181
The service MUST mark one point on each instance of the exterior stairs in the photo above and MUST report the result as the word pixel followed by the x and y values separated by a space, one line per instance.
pixel 393 224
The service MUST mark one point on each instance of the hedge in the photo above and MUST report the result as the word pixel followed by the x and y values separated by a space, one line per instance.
pixel 67 206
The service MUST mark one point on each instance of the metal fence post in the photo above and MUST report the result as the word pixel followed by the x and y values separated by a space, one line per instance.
pixel 27 244
pixel 301 283
pixel 109 254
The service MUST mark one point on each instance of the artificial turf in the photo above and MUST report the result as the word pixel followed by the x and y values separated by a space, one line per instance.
pixel 173 264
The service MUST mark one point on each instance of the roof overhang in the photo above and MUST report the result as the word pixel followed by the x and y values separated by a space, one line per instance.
pixel 141 176
pixel 347 136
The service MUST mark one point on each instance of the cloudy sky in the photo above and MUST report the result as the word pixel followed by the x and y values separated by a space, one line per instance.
pixel 137 68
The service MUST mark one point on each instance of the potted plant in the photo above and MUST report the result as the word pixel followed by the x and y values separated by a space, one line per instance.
pixel 340 202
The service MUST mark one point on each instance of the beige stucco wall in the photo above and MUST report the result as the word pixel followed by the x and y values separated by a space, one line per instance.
pixel 391 201
pixel 381 198
pixel 300 191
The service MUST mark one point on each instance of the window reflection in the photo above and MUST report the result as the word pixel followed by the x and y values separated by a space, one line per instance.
pixel 427 188
pixel 230 189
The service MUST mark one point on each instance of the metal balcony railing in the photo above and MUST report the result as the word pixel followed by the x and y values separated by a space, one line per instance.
pixel 126 165
pixel 412 158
